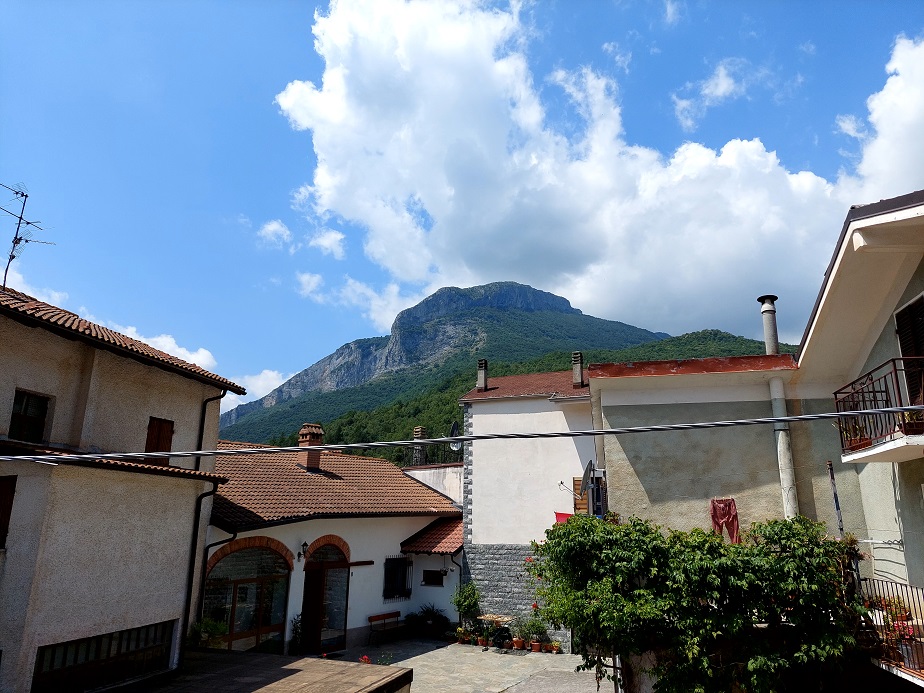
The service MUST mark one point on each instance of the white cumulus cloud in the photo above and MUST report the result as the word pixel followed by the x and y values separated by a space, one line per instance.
pixel 309 285
pixel 165 342
pixel 15 280
pixel 257 386
pixel 432 139
pixel 329 242
pixel 275 233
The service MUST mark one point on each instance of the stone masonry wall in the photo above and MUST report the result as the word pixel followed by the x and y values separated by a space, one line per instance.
pixel 505 588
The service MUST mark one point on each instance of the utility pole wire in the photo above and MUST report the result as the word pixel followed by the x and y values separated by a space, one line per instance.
pixel 142 456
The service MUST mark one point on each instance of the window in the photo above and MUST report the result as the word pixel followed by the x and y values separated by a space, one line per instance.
pixel 160 439
pixel 29 414
pixel 7 489
pixel 398 570
pixel 433 578
pixel 909 323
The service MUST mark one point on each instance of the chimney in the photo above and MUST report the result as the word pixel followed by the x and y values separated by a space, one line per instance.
pixel 482 383
pixel 420 453
pixel 577 370
pixel 308 436
pixel 768 312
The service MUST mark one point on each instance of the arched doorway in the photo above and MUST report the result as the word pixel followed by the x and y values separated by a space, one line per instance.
pixel 324 602
pixel 247 591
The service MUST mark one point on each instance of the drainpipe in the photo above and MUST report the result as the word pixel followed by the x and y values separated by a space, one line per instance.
pixel 205 404
pixel 191 573
pixel 453 559
pixel 778 406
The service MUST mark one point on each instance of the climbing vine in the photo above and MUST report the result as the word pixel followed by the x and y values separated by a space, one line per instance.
pixel 763 615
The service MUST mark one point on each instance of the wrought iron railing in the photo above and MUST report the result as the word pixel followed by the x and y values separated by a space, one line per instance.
pixel 896 383
pixel 897 612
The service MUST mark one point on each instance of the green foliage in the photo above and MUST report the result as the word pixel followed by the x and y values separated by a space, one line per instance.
pixel 208 632
pixel 764 615
pixel 465 600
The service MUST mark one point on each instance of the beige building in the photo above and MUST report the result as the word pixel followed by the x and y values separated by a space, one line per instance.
pixel 98 559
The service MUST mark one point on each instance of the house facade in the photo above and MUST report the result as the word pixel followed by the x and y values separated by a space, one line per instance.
pixel 512 489
pixel 98 560
pixel 329 538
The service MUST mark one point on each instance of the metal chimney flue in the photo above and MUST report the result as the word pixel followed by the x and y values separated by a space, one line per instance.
pixel 577 370
pixel 768 312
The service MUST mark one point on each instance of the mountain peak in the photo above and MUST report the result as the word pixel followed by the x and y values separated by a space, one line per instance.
pixel 452 300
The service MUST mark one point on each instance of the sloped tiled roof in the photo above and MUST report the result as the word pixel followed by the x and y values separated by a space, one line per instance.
pixel 554 384
pixel 17 448
pixel 31 311
pixel 442 536
pixel 273 488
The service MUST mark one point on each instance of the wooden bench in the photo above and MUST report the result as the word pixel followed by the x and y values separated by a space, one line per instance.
pixel 381 624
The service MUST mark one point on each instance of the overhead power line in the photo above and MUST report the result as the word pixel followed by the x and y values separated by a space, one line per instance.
pixel 142 456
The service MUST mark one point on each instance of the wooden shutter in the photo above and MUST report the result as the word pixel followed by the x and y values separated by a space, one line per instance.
pixel 580 505
pixel 160 439
pixel 7 490
pixel 909 322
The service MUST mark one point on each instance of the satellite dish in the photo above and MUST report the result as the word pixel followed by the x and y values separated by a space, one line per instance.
pixel 586 479
pixel 455 445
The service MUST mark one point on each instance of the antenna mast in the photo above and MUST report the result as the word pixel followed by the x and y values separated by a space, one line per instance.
pixel 22 236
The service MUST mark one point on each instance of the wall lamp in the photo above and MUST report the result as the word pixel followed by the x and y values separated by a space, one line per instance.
pixel 304 552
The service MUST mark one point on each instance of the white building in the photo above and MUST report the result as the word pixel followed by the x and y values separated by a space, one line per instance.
pixel 333 538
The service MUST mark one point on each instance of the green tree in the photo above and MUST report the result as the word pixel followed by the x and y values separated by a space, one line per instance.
pixel 765 615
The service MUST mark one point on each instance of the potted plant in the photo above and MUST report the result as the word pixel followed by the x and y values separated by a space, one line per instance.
pixel 462 636
pixel 556 646
pixel 465 600
pixel 854 434
pixel 537 632
pixel 520 633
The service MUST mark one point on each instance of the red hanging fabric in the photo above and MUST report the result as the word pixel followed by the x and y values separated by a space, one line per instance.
pixel 725 514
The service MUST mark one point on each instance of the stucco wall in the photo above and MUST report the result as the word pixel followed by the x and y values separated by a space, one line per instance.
pixel 110 553
pixel 369 539
pixel 101 402
pixel 514 484
pixel 447 479
pixel 670 477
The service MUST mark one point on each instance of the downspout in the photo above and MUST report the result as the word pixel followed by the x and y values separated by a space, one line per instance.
pixel 205 404
pixel 778 407
pixel 191 573
pixel 452 558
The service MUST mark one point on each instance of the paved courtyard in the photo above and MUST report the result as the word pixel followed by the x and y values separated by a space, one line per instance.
pixel 437 668
pixel 442 668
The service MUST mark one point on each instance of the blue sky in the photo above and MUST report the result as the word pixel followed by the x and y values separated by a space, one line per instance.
pixel 252 184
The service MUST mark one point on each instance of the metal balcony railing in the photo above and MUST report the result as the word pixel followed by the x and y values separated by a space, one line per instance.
pixel 897 612
pixel 896 383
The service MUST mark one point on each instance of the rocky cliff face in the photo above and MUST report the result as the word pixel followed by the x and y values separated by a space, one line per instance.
pixel 430 332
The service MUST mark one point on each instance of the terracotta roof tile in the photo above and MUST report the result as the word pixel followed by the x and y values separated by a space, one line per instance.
pixel 553 384
pixel 273 488
pixel 442 536
pixel 24 308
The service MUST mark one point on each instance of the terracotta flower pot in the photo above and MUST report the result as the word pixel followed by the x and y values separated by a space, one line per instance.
pixel 535 646
pixel 482 641
pixel 519 643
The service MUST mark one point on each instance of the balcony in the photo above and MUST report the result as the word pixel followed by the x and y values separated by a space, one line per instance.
pixel 895 613
pixel 883 437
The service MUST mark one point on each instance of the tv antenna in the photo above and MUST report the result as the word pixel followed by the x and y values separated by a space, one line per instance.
pixel 24 227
